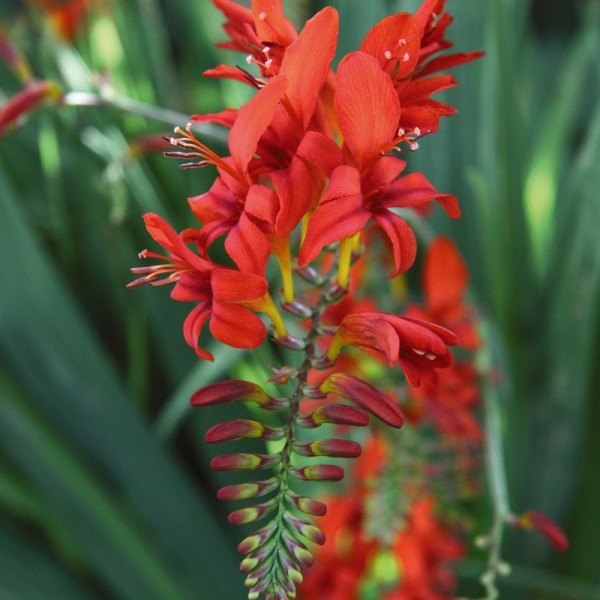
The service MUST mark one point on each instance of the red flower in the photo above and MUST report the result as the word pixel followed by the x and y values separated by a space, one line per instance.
pixel 545 525
pixel 450 403
pixel 263 32
pixel 366 186
pixel 445 281
pixel 402 43
pixel 221 293
pixel 419 347
pixel 237 205
pixel 28 99
pixel 423 551
pixel 67 15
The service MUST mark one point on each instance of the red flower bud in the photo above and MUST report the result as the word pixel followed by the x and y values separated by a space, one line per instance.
pixel 233 390
pixel 308 530
pixel 319 473
pixel 544 525
pixel 240 429
pixel 251 513
pixel 366 396
pixel 243 462
pixel 329 447
pixel 339 414
pixel 243 491
pixel 307 505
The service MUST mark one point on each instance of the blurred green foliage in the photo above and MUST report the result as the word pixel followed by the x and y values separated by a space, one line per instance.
pixel 104 486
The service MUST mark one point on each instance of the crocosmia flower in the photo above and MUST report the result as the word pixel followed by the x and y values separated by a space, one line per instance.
pixel 417 346
pixel 224 295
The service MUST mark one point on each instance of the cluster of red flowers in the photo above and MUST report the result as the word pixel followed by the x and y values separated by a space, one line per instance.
pixel 312 166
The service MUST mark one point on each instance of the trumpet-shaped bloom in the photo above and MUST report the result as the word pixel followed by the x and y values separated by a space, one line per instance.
pixel 221 294
pixel 366 186
pixel 419 347
pixel 402 44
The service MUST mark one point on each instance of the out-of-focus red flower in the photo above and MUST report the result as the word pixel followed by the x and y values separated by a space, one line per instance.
pixel 68 16
pixel 445 281
pixel 29 98
pixel 544 525
pixel 223 295
pixel 418 346
pixel 262 32
pixel 424 550
pixel 450 403
pixel 341 563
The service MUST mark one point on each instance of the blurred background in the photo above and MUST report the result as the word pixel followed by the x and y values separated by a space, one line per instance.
pixel 105 490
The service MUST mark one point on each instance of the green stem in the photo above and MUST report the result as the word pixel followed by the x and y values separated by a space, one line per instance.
pixel 495 468
pixel 148 111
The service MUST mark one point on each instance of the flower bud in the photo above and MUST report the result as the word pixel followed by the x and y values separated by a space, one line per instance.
pixel 240 429
pixel 297 549
pixel 257 539
pixel 318 473
pixel 243 462
pixel 339 414
pixel 365 395
pixel 243 491
pixel 251 513
pixel 307 505
pixel 329 447
pixel 304 528
pixel 297 309
pixel 311 276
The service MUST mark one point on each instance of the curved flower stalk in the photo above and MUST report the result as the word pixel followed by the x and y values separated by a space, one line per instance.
pixel 311 167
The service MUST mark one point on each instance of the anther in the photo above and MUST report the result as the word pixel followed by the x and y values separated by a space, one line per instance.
pixel 419 352
pixel 262 16
pixel 401 42
pixel 249 59
pixel 387 54
pixel 406 57
pixel 430 356
pixel 417 131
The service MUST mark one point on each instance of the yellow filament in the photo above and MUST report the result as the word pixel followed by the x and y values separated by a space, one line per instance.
pixel 282 252
pixel 344 264
pixel 271 311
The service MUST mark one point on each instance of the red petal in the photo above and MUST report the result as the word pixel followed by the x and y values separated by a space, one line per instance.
pixel 235 286
pixel 227 72
pixel 370 330
pixel 236 326
pixel 336 219
pixel 262 204
pixel 164 234
pixel 367 106
pixel 384 38
pixel 192 327
pixel 404 244
pixel 248 246
pixel 294 187
pixel 414 190
pixel 366 396
pixel 300 186
pixel 226 117
pixel 253 119
pixel 271 24
pixel 441 63
pixel 306 63
pixel 381 173
pixel 445 275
